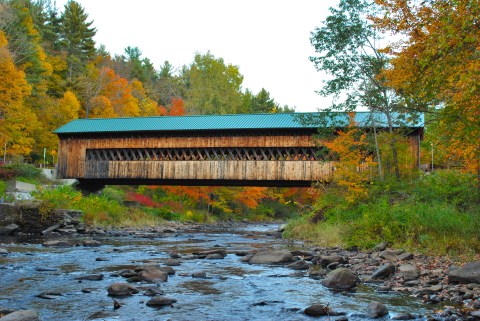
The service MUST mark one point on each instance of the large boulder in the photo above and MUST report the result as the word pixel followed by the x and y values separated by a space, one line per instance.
pixel 122 289
pixel 272 257
pixel 21 315
pixel 341 279
pixel 469 273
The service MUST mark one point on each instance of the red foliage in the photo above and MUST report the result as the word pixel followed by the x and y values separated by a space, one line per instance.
pixel 141 199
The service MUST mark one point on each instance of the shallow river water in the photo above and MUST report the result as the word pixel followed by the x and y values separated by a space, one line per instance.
pixel 232 290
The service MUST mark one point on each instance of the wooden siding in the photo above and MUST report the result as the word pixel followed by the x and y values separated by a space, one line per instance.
pixel 72 151
pixel 214 170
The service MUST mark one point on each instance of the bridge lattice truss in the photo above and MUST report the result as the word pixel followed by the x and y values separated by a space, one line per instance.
pixel 202 154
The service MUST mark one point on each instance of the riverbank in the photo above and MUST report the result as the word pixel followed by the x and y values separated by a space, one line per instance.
pixel 384 274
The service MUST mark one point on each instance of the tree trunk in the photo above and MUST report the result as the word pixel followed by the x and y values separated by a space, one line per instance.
pixel 377 149
pixel 393 146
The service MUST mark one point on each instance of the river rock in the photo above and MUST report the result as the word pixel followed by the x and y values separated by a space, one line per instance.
pixel 214 256
pixel 3 251
pixel 91 243
pixel 21 315
pixel 160 301
pixel 210 253
pixel 49 295
pixel 172 262
pixel 122 289
pixel 299 265
pixel 271 257
pixel 341 279
pixel 384 271
pixel 469 273
pixel 380 247
pixel 57 243
pixel 317 310
pixel 376 310
pixel 407 256
pixel 408 272
pixel 387 255
pixel 326 260
pixel 90 277
pixel 167 269
pixel 153 275
pixel 9 229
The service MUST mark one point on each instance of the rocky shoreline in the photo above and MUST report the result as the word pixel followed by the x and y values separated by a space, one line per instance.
pixel 432 280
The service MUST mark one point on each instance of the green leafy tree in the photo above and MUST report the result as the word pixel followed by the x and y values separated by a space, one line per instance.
pixel 212 87
pixel 347 48
pixel 77 39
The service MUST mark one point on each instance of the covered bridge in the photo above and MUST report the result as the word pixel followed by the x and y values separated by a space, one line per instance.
pixel 229 150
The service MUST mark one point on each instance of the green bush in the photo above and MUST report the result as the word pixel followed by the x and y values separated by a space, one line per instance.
pixel 436 213
pixel 26 172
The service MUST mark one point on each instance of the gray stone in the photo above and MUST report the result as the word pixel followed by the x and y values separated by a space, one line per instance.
pixel 317 310
pixel 469 273
pixel 122 289
pixel 281 228
pixel 3 251
pixel 214 256
pixel 387 255
pixel 326 260
pixel 475 314
pixel 21 315
pixel 299 265
pixel 50 229
pixel 376 310
pixel 341 279
pixel 380 247
pixel 384 271
pixel 408 272
pixel 209 253
pixel 167 269
pixel 160 301
pixel 9 229
pixel 272 257
pixel 153 275
pixel 57 243
pixel 91 243
pixel 90 277
pixel 172 262
pixel 407 256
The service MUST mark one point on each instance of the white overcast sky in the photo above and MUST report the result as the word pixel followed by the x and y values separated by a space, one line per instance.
pixel 269 40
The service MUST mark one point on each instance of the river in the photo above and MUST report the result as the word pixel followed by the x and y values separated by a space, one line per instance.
pixel 231 290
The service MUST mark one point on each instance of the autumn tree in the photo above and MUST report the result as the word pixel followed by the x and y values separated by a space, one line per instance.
pixel 350 149
pixel 437 63
pixel 17 121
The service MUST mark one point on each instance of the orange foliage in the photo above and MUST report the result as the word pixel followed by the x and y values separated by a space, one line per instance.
pixel 353 162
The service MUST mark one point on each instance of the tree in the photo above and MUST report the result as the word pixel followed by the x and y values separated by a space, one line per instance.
pixel 212 87
pixel 350 149
pixel 17 121
pixel 437 63
pixel 77 39
pixel 347 44
pixel 262 103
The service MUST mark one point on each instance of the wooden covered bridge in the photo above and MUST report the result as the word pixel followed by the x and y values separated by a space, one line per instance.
pixel 228 150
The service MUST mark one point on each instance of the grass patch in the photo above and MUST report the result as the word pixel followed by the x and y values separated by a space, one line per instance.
pixel 435 214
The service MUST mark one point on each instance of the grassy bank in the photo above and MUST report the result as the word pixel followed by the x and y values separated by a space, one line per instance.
pixel 436 213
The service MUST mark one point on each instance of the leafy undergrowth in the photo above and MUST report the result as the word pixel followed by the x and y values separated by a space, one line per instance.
pixel 435 214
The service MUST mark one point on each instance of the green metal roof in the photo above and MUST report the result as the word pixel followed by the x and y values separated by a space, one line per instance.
pixel 200 123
